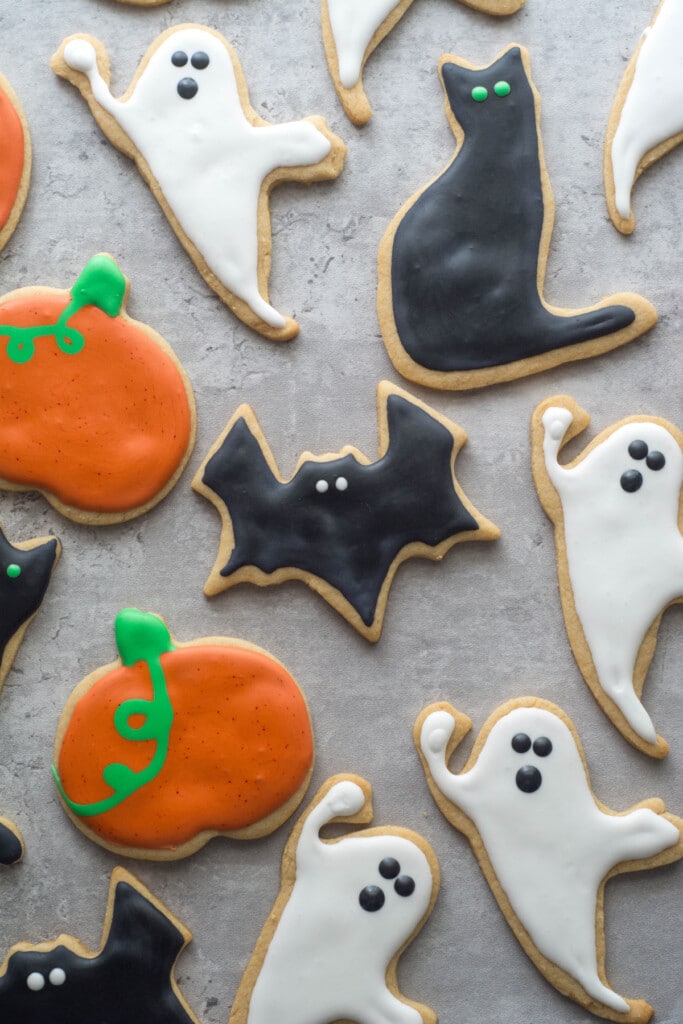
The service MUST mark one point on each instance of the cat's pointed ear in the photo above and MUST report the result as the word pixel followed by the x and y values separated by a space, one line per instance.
pixel 458 82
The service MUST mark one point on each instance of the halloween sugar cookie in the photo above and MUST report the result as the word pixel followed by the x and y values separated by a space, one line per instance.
pixel 131 978
pixel 176 743
pixel 11 843
pixel 462 264
pixel 647 117
pixel 96 412
pixel 545 843
pixel 25 571
pixel 341 524
pixel 15 160
pixel 616 513
pixel 352 29
pixel 209 159
pixel 347 907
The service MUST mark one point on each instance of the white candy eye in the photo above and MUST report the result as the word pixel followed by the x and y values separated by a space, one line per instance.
pixel 57 976
pixel 341 483
pixel 322 486
pixel 35 981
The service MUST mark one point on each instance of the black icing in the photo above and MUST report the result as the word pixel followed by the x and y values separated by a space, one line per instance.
pixel 389 867
pixel 542 746
pixel 187 88
pixel 521 743
pixel 179 59
pixel 638 449
pixel 200 60
pixel 11 846
pixel 465 255
pixel 371 898
pixel 20 596
pixel 631 480
pixel 347 537
pixel 128 982
pixel 528 779
pixel 404 885
pixel 655 461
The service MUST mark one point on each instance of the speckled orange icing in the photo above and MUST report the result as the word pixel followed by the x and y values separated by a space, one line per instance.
pixel 12 154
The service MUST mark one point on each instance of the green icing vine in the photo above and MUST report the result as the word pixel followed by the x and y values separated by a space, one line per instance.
pixel 100 284
pixel 139 637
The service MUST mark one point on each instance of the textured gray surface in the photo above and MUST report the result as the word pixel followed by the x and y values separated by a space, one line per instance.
pixel 483 626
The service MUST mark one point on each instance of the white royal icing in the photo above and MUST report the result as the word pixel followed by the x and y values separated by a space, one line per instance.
pixel 653 108
pixel 209 160
pixel 624 550
pixel 552 848
pixel 353 24
pixel 328 958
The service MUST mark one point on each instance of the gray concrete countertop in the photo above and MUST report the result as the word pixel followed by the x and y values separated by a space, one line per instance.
pixel 483 626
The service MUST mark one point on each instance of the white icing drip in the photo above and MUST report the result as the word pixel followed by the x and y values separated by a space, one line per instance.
pixel 328 957
pixel 624 550
pixel 653 108
pixel 209 160
pixel 354 23
pixel 552 848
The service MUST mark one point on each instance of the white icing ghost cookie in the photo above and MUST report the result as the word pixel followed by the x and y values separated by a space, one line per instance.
pixel 546 845
pixel 615 509
pixel 646 121
pixel 208 157
pixel 346 910
pixel 352 29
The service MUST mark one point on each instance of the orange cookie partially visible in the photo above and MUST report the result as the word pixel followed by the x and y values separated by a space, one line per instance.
pixel 15 160
pixel 95 409
pixel 177 743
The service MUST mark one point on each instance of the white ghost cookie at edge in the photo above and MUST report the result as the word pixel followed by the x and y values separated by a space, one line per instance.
pixel 209 159
pixel 346 910
pixel 647 117
pixel 617 518
pixel 352 29
pixel 545 843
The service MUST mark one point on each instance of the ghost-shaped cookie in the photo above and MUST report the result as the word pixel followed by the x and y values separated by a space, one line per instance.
pixel 545 843
pixel 346 910
pixel 208 157
pixel 615 509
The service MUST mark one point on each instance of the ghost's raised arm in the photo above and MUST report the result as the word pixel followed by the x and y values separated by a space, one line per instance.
pixel 638 835
pixel 296 144
pixel 435 735
pixel 556 422
pixel 80 55
pixel 344 799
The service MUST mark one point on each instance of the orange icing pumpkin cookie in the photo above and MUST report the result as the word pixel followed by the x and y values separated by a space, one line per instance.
pixel 95 409
pixel 176 743
pixel 15 160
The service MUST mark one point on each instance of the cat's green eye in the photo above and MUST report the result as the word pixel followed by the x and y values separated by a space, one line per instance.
pixel 13 571
pixel 502 88
pixel 479 93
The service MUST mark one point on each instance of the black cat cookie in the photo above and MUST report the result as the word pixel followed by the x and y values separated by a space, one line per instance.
pixel 341 524
pixel 25 571
pixel 130 979
pixel 462 264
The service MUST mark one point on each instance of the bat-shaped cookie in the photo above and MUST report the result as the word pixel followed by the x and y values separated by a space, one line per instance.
pixel 25 571
pixel 341 524
pixel 130 979
pixel 545 843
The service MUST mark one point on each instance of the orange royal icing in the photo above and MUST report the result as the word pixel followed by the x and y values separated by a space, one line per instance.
pixel 104 429
pixel 240 746
pixel 11 156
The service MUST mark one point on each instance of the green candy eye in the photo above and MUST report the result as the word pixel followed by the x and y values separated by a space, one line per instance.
pixel 502 88
pixel 13 571
pixel 479 93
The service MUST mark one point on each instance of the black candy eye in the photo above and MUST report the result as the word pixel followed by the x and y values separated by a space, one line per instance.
pixel 528 779
pixel 521 743
pixel 404 885
pixel 179 59
pixel 631 480
pixel 638 449
pixel 656 460
pixel 389 867
pixel 542 746
pixel 187 88
pixel 200 60
pixel 371 898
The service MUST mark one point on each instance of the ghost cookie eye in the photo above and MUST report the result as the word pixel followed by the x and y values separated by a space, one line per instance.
pixel 200 60
pixel 521 743
pixel 179 59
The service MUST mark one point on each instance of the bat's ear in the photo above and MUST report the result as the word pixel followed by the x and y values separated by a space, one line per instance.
pixel 410 427
pixel 139 924
pixel 239 461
